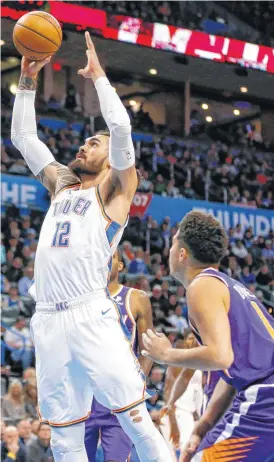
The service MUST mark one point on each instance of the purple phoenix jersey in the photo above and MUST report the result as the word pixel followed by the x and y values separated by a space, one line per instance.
pixel 246 430
pixel 115 443
pixel 212 378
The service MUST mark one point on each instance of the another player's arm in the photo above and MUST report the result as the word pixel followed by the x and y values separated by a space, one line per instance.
pixel 210 315
pixel 220 401
pixel 123 176
pixel 180 385
pixel 40 160
pixel 141 308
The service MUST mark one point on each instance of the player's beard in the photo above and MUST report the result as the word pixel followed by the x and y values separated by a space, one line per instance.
pixel 80 170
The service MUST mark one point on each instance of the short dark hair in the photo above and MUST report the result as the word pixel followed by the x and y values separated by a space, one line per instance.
pixel 102 132
pixel 204 237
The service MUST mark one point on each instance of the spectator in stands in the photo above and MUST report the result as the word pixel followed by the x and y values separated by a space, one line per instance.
pixel 263 277
pixel 35 425
pixel 127 253
pixel 158 301
pixel 247 277
pixel 28 374
pixel 19 341
pixel 137 265
pixel 160 186
pixel 25 434
pixel 16 271
pixel 12 306
pixel 19 167
pixel 5 285
pixel 72 100
pixel 31 235
pixel 25 282
pixel 11 447
pixel 39 450
pixel 189 192
pixel 268 251
pixel 13 404
pixel 177 320
pixel 30 390
pixel 239 250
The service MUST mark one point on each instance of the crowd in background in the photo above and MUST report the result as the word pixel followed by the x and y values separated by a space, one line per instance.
pixel 238 171
pixel 238 168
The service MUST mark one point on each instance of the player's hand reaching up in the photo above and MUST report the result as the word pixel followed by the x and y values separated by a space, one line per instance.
pixel 31 68
pixel 93 69
pixel 157 346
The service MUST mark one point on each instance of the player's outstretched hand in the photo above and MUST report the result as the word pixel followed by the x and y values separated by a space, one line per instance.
pixel 31 68
pixel 157 346
pixel 93 69
pixel 190 448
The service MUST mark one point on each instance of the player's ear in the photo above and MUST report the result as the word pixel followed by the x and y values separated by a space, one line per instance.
pixel 120 266
pixel 183 254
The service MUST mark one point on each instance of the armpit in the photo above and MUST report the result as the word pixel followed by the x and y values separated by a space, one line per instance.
pixel 56 176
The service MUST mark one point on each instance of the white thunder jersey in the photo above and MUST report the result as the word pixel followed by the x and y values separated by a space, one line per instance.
pixel 75 248
pixel 191 400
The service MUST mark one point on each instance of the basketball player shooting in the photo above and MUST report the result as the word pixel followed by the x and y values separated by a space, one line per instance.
pixel 236 337
pixel 136 312
pixel 81 350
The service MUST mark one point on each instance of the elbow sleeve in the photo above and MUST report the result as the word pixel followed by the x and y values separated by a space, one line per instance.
pixel 121 149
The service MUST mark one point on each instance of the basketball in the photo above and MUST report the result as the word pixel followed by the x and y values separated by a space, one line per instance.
pixel 37 35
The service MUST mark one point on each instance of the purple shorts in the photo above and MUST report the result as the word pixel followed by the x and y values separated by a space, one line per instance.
pixel 246 432
pixel 116 444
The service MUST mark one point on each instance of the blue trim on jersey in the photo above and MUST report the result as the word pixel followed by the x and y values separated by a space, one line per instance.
pixel 112 230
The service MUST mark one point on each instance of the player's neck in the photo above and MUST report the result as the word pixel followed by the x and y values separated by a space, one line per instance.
pixel 92 180
pixel 192 272
pixel 114 287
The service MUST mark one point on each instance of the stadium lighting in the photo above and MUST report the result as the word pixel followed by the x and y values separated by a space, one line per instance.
pixel 209 119
pixel 236 112
pixel 2 42
pixel 244 89
pixel 153 71
pixel 13 88
pixel 205 106
pixel 132 102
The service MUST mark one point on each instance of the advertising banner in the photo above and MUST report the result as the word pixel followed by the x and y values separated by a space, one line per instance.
pixel 153 35
pixel 24 192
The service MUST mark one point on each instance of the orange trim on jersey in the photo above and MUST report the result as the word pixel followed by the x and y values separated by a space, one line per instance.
pixel 123 409
pixel 66 424
pixel 70 186
pixel 230 450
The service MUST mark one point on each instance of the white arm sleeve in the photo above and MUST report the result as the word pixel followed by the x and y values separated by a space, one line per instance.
pixel 24 133
pixel 121 149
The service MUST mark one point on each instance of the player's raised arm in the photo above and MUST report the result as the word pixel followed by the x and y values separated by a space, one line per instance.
pixel 121 150
pixel 208 299
pixel 40 160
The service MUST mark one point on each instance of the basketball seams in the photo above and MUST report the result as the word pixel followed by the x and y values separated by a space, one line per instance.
pixel 47 19
pixel 30 49
pixel 40 35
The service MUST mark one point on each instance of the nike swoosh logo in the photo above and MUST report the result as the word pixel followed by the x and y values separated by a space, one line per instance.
pixel 104 312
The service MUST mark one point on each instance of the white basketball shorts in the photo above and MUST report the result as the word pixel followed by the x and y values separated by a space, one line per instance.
pixel 82 350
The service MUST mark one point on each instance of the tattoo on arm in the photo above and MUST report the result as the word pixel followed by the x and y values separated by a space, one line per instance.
pixel 56 176
pixel 27 83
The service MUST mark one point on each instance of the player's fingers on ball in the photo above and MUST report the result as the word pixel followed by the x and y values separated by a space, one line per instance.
pixel 160 334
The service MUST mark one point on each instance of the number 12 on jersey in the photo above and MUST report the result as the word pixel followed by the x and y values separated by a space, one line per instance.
pixel 61 235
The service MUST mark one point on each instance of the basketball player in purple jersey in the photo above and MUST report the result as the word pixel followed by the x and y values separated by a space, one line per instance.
pixel 236 336
pixel 135 308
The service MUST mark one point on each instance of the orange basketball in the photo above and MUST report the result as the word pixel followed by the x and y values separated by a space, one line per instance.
pixel 37 35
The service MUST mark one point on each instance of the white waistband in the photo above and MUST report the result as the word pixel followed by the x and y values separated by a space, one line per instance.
pixel 71 303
